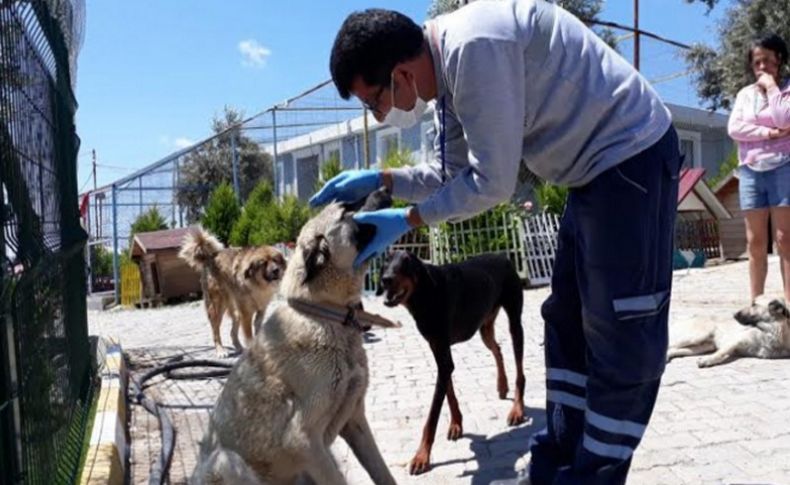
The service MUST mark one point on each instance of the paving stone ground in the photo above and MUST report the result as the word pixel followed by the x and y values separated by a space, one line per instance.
pixel 724 425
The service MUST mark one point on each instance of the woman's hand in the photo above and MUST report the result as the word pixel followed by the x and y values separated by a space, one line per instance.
pixel 778 133
pixel 766 82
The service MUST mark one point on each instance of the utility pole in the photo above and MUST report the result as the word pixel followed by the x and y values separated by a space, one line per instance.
pixel 93 152
pixel 636 34
pixel 98 209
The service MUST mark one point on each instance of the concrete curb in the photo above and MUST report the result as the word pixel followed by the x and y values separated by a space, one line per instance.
pixel 106 460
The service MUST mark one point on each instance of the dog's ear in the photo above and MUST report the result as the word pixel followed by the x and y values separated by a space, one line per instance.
pixel 778 309
pixel 316 257
pixel 252 268
pixel 747 316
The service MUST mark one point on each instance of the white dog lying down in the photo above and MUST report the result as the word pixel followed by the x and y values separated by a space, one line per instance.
pixel 761 330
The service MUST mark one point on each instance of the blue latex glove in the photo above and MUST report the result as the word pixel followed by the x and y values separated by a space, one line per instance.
pixel 349 186
pixel 390 224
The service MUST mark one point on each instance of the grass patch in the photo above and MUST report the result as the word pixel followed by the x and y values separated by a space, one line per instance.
pixel 86 436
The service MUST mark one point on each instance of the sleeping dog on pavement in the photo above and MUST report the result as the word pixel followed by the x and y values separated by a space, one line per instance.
pixel 449 305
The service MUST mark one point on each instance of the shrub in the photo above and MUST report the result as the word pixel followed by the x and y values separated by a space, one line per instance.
pixel 279 222
pixel 222 212
pixel 551 198
pixel 259 200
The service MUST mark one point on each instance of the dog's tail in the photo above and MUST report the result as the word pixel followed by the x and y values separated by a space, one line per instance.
pixel 199 248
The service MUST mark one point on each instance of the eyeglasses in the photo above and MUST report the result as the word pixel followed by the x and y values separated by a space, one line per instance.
pixel 374 104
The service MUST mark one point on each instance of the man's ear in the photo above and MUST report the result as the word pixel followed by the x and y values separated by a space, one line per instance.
pixel 316 256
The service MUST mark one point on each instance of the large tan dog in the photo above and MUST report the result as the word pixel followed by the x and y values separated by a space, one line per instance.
pixel 239 281
pixel 303 381
pixel 761 330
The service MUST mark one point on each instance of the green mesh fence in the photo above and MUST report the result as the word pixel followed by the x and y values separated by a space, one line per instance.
pixel 45 372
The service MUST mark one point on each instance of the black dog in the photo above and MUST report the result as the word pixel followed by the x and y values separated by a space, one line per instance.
pixel 449 304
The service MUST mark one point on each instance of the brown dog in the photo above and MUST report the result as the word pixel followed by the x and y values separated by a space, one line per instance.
pixel 450 304
pixel 239 281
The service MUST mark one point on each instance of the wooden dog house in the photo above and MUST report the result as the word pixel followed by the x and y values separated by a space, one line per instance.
pixel 700 215
pixel 164 276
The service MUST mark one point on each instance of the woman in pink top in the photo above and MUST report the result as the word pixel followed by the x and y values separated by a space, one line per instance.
pixel 760 124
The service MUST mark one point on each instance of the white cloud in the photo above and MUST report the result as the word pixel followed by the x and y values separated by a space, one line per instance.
pixel 177 143
pixel 253 54
pixel 183 142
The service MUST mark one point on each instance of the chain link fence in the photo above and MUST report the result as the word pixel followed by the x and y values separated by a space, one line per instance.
pixel 45 373
pixel 241 152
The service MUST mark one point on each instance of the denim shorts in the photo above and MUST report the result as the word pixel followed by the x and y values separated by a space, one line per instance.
pixel 761 190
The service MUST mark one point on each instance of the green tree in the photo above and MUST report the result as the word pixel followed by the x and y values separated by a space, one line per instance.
pixel 260 200
pixel 280 222
pixel 211 164
pixel 720 71
pixel 149 221
pixel 730 164
pixel 222 212
pixel 101 260
pixel 329 169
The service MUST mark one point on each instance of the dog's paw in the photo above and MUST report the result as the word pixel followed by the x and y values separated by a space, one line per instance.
pixel 421 463
pixel 516 415
pixel 705 362
pixel 222 353
pixel 454 431
pixel 503 390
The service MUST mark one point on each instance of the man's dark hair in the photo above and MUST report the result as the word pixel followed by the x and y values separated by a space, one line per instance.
pixel 370 43
pixel 769 41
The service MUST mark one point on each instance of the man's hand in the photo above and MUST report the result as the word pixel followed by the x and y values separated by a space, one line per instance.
pixel 349 186
pixel 766 82
pixel 390 224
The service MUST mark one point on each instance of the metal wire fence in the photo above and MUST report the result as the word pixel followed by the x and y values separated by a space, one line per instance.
pixel 45 374
pixel 241 152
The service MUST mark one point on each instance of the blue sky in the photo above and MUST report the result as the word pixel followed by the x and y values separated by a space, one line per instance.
pixel 152 74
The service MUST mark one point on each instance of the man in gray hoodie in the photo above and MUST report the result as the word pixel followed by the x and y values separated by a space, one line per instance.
pixel 523 81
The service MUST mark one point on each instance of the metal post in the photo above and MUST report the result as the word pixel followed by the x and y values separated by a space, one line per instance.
pixel 10 412
pixel 636 34
pixel 140 192
pixel 115 258
pixel 174 201
pixel 278 192
pixel 178 185
pixel 365 137
pixel 235 162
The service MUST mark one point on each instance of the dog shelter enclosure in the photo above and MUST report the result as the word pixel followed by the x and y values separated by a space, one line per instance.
pixel 45 372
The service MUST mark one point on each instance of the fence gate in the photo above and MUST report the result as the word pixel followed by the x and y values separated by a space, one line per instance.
pixel 541 246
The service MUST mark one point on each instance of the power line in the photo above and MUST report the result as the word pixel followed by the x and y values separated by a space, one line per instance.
pixel 628 28
pixel 670 77
pixel 114 167
pixel 87 181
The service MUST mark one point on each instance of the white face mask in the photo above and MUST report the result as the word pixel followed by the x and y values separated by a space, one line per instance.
pixel 401 118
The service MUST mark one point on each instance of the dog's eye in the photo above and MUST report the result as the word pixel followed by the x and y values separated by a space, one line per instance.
pixel 386 280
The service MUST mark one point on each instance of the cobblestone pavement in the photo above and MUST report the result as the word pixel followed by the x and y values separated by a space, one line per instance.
pixel 725 425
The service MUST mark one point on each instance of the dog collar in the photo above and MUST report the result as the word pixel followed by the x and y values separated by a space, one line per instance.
pixel 348 316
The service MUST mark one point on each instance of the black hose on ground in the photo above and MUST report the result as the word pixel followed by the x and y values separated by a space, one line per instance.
pixel 161 468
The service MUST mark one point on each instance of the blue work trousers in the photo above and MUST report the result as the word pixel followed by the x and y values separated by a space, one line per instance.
pixel 606 319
